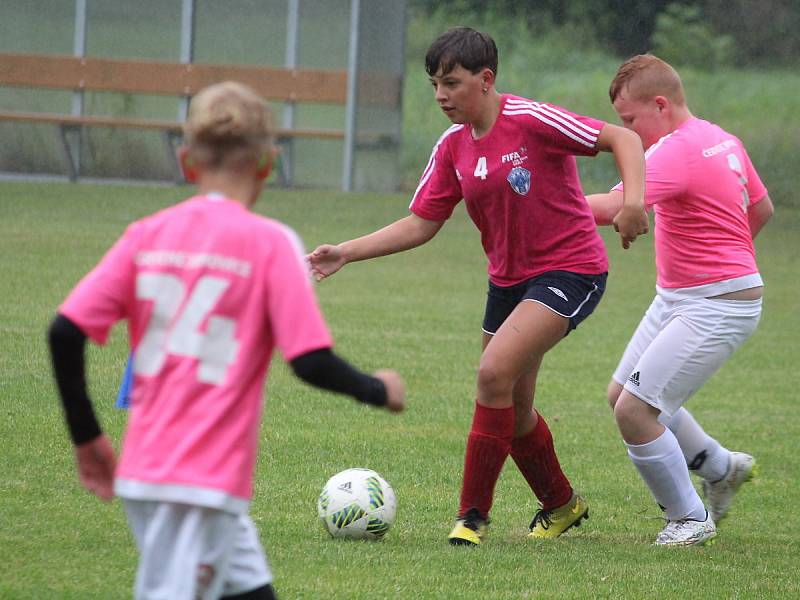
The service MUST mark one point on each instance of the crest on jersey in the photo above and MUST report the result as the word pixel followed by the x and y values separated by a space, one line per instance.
pixel 520 180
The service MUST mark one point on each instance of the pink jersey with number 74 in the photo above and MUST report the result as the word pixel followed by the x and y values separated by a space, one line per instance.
pixel 208 289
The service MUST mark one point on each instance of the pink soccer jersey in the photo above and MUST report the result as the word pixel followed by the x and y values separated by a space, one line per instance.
pixel 700 182
pixel 209 289
pixel 521 189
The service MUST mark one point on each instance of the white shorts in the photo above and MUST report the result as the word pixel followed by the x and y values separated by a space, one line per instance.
pixel 189 552
pixel 679 345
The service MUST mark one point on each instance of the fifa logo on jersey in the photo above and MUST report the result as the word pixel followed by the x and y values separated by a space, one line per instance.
pixel 520 180
pixel 515 158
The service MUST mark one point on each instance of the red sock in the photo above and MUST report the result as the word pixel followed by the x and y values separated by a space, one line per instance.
pixel 536 458
pixel 488 446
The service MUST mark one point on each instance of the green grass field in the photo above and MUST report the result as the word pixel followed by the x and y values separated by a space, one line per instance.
pixel 420 313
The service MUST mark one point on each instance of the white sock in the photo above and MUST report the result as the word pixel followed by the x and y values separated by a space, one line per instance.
pixel 663 468
pixel 704 455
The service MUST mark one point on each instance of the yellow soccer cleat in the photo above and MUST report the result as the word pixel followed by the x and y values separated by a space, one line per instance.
pixel 470 528
pixel 552 523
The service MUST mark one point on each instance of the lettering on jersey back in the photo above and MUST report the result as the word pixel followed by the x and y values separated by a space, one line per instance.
pixel 193 260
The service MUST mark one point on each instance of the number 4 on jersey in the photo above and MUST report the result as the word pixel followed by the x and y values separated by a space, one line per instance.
pixel 480 168
pixel 174 326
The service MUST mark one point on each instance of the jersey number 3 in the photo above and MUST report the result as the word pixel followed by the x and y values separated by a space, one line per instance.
pixel 736 166
pixel 174 326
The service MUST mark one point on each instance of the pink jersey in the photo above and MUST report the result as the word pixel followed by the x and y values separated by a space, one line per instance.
pixel 701 182
pixel 521 189
pixel 208 289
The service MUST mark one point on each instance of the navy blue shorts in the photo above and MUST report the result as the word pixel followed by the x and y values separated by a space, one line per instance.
pixel 571 295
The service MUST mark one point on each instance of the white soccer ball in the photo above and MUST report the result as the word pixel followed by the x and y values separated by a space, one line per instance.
pixel 357 504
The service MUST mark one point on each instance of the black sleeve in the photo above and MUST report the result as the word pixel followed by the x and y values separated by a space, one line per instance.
pixel 67 345
pixel 323 369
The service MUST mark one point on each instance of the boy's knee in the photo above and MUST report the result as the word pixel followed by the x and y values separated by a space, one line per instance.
pixel 493 382
pixel 637 421
pixel 612 393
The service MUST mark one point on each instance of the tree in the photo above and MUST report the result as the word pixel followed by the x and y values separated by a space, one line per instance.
pixel 684 38
pixel 765 32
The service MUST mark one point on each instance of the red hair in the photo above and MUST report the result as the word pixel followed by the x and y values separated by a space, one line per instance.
pixel 646 76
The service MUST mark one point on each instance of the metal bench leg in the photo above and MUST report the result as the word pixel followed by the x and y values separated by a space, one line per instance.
pixel 70 158
pixel 286 164
pixel 172 141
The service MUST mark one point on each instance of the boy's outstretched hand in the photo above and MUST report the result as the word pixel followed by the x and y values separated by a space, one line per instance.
pixel 96 462
pixel 325 261
pixel 395 389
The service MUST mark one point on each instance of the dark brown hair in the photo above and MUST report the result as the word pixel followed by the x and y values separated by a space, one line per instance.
pixel 463 46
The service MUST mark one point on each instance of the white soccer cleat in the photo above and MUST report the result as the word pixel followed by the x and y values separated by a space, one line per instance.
pixel 719 494
pixel 687 532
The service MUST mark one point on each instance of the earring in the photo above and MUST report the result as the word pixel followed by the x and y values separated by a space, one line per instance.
pixel 485 90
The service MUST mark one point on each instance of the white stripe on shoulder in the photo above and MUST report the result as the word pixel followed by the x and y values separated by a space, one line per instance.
pixel 647 153
pixel 296 243
pixel 545 119
pixel 566 124
pixel 560 113
pixel 431 166
pixel 657 145
pixel 293 237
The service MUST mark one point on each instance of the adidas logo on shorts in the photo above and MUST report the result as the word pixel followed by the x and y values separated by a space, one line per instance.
pixel 634 378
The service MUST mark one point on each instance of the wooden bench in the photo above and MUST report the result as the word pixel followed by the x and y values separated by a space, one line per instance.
pixel 169 79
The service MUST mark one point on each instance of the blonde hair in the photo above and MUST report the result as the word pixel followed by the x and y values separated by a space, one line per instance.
pixel 645 77
pixel 228 125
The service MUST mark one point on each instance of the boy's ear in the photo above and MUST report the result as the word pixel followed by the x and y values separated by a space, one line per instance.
pixel 488 77
pixel 187 165
pixel 265 162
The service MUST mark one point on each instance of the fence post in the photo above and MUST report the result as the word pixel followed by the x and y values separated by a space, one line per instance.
pixel 187 49
pixel 186 57
pixel 73 149
pixel 352 97
pixel 289 109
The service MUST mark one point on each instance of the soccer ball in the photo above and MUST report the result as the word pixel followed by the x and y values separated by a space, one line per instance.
pixel 357 504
